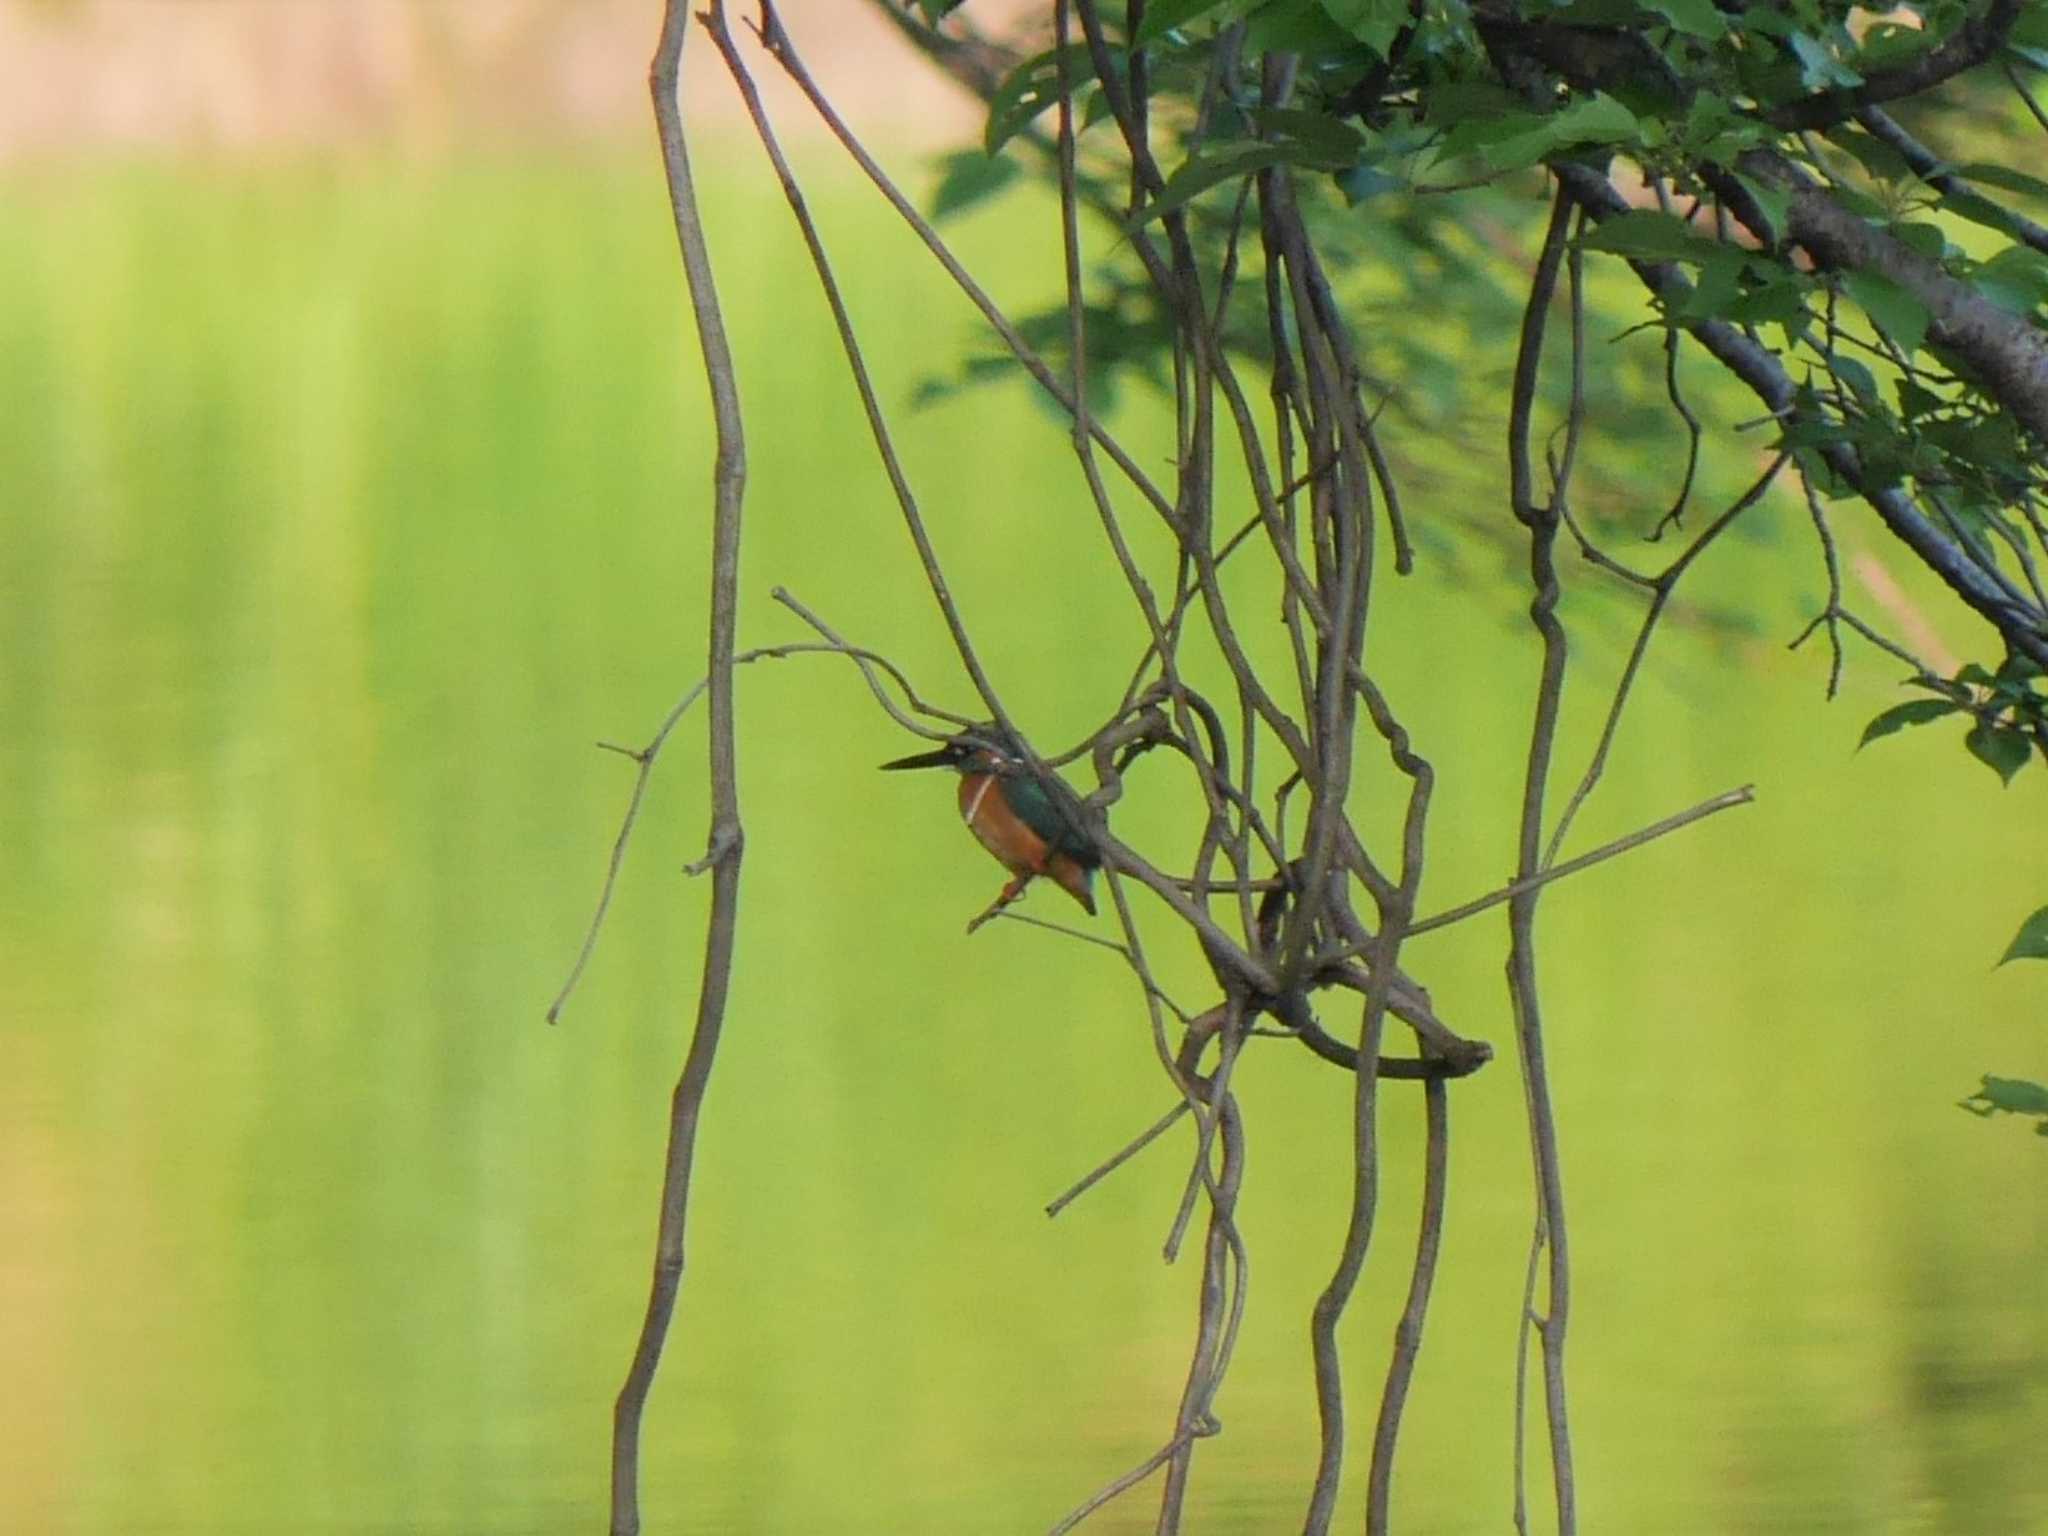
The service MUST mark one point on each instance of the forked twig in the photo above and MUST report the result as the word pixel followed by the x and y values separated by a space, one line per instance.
pixel 645 758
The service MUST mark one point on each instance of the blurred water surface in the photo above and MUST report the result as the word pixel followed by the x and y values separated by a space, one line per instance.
pixel 346 504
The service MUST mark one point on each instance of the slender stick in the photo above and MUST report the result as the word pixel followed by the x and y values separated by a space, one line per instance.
pixel 1656 829
pixel 1523 1324
pixel 1330 1304
pixel 783 50
pixel 1408 1332
pixel 727 838
pixel 869 662
pixel 1666 583
pixel 1120 1485
pixel 828 283
pixel 646 756
pixel 1117 1159
pixel 1220 1311
pixel 1383 955
pixel 1542 523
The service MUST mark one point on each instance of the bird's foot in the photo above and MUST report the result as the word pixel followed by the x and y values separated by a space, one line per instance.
pixel 1004 897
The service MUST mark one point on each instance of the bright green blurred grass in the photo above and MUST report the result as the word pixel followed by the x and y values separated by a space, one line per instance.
pixel 347 503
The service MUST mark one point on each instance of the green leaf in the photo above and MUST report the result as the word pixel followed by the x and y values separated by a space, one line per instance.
pixel 1194 177
pixel 1981 210
pixel 2031 942
pixel 2019 668
pixel 1595 119
pixel 1999 747
pixel 1887 45
pixel 1928 239
pixel 1861 204
pixel 1718 287
pixel 1773 199
pixel 1860 380
pixel 970 177
pixel 2015 279
pixel 1375 23
pixel 1029 89
pixel 1163 16
pixel 1898 313
pixel 1696 18
pixel 1519 153
pixel 1899 716
pixel 1878 159
pixel 1819 69
pixel 1916 401
pixel 1983 442
pixel 1647 234
pixel 2030 26
pixel 1479 129
pixel 1465 101
pixel 1364 182
pixel 1296 26
pixel 1317 132
pixel 1507 141
pixel 2004 177
pixel 1781 297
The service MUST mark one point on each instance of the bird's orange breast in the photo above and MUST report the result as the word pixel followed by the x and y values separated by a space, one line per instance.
pixel 1019 849
pixel 1000 830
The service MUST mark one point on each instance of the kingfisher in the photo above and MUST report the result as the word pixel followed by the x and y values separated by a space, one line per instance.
pixel 1030 820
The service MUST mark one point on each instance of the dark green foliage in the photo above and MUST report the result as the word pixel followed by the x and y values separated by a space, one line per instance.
pixel 2010 1096
pixel 1733 117
pixel 2008 714
pixel 1912 712
pixel 969 177
pixel 2031 942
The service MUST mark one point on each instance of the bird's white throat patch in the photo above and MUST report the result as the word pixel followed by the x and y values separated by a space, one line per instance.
pixel 973 809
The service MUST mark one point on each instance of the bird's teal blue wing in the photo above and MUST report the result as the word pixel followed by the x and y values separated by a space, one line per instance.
pixel 1038 810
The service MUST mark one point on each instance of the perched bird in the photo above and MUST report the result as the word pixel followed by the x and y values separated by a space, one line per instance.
pixel 1031 822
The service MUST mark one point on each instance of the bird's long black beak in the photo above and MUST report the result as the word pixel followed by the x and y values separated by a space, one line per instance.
pixel 943 758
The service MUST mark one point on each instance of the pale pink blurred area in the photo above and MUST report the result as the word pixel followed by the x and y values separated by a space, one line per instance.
pixel 249 76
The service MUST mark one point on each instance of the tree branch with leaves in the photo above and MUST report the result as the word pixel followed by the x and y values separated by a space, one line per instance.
pixel 1729 186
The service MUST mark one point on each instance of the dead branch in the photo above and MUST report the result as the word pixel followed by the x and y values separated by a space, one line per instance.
pixel 727 841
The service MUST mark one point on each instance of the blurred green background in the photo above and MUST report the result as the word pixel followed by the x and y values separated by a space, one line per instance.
pixel 348 494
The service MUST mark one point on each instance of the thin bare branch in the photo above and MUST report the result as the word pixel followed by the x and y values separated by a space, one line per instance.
pixel 2026 97
pixel 1551 873
pixel 1542 523
pixel 783 50
pixel 906 499
pixel 1329 1307
pixel 1408 1332
pixel 869 662
pixel 727 839
pixel 1665 583
pixel 1117 1159
pixel 646 756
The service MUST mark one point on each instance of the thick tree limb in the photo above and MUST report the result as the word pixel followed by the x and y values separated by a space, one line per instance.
pixel 1971 44
pixel 2009 356
pixel 2023 627
pixel 1928 167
